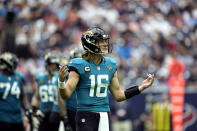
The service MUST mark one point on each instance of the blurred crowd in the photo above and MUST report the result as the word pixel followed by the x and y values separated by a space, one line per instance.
pixel 146 34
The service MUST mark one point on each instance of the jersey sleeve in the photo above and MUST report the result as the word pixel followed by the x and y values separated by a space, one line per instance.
pixel 113 65
pixel 75 65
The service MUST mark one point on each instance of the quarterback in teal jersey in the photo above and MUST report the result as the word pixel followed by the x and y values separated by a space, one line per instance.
pixel 46 98
pixel 93 76
pixel 12 96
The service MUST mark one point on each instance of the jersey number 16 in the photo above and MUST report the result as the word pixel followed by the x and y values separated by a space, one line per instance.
pixel 99 85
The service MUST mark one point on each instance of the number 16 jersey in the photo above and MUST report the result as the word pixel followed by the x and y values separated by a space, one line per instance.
pixel 93 87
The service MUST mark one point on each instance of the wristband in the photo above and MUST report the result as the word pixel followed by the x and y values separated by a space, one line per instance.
pixel 132 91
pixel 61 85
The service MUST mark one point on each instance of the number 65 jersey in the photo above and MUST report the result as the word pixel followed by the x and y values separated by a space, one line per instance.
pixel 10 104
pixel 47 91
pixel 93 87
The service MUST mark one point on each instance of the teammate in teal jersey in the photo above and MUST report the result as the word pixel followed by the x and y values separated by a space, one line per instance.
pixel 93 76
pixel 46 98
pixel 71 103
pixel 12 96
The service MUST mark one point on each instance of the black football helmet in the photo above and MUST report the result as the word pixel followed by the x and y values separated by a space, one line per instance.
pixel 63 60
pixel 91 37
pixel 8 61
pixel 51 58
pixel 75 53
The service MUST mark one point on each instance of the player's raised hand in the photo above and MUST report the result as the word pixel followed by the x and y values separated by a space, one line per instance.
pixel 62 73
pixel 147 82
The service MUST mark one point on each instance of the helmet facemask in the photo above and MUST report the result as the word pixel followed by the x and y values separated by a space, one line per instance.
pixel 49 60
pixel 50 68
pixel 3 66
pixel 103 45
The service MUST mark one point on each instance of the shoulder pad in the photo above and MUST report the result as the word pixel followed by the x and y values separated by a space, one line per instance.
pixel 20 75
pixel 41 76
pixel 76 61
pixel 110 60
pixel 78 64
pixel 111 63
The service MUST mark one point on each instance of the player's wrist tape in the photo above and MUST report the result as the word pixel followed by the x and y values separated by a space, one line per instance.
pixel 61 85
pixel 132 91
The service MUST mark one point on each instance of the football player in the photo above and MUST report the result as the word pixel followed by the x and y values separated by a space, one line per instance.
pixel 12 96
pixel 45 98
pixel 71 103
pixel 93 76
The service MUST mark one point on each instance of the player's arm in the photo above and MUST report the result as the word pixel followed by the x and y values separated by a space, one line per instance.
pixel 66 89
pixel 115 89
pixel 24 102
pixel 61 106
pixel 121 95
pixel 26 107
pixel 36 99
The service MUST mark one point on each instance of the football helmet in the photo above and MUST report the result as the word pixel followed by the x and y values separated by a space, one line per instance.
pixel 51 58
pixel 8 61
pixel 91 37
pixel 63 60
pixel 75 53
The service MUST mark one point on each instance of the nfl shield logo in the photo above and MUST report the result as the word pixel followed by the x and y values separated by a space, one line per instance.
pixel 98 68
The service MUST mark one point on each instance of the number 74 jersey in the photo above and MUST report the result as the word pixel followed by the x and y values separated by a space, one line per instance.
pixel 93 87
pixel 10 104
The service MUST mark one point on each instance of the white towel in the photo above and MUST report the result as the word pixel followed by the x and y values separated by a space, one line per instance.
pixel 61 126
pixel 104 122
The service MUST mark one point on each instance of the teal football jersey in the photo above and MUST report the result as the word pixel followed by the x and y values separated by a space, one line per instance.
pixel 55 103
pixel 10 104
pixel 93 87
pixel 71 103
pixel 47 92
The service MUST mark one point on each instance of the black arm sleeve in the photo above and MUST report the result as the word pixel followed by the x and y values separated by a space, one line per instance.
pixel 71 68
pixel 132 91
